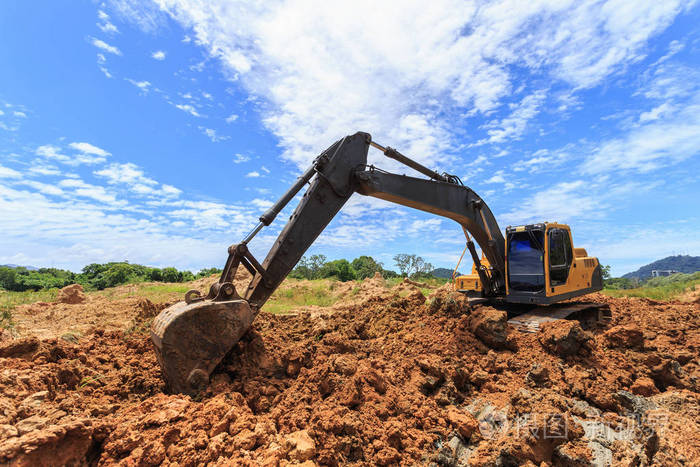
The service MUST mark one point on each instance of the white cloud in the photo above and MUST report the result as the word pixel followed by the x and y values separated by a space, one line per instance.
pixel 496 178
pixel 513 126
pixel 142 85
pixel 170 190
pixel 86 154
pixel 231 118
pixel 128 173
pixel 189 109
pixel 51 152
pixel 108 28
pixel 667 134
pixel 261 203
pixel 560 203
pixel 39 167
pixel 420 70
pixel 87 190
pixel 102 45
pixel 133 177
pixel 253 174
pixel 88 148
pixel 44 188
pixel 6 172
pixel 102 15
pixel 240 158
pixel 19 114
pixel 211 134
pixel 158 55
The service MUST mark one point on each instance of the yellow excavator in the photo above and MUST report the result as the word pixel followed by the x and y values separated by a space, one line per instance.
pixel 533 265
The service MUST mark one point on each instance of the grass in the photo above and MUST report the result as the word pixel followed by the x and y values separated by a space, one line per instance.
pixel 302 293
pixel 296 293
pixel 660 288
pixel 10 300
pixel 155 292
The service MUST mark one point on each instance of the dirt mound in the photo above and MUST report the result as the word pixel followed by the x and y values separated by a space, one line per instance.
pixel 71 294
pixel 393 378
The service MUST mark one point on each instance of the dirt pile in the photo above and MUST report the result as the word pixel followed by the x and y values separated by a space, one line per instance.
pixel 392 378
pixel 71 294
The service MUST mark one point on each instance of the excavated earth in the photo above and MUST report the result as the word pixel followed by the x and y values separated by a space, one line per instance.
pixel 384 377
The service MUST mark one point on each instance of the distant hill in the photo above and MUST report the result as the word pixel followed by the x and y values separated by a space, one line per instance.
pixel 443 273
pixel 14 266
pixel 681 263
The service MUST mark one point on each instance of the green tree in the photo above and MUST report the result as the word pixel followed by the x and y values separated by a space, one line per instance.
pixel 605 272
pixel 208 272
pixel 171 275
pixel 340 268
pixel 309 267
pixel 7 278
pixel 412 265
pixel 155 275
pixel 366 266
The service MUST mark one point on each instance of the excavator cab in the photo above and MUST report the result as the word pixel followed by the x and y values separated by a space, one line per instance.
pixel 542 267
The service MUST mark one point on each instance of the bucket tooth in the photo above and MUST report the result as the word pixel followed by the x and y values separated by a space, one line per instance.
pixel 191 339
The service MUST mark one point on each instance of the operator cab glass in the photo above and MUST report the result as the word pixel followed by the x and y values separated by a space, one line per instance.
pixel 526 261
pixel 560 256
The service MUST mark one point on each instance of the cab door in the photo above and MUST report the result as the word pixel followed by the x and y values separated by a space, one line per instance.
pixel 560 258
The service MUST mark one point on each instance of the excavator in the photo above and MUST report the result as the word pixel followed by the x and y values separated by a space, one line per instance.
pixel 534 265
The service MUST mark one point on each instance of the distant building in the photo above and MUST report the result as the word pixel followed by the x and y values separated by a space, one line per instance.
pixel 662 272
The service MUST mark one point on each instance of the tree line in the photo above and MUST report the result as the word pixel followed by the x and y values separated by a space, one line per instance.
pixel 317 267
pixel 100 276
pixel 93 276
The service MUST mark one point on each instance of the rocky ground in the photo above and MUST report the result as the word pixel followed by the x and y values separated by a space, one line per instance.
pixel 383 377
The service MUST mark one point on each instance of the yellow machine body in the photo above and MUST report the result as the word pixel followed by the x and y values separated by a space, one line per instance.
pixel 470 283
pixel 542 266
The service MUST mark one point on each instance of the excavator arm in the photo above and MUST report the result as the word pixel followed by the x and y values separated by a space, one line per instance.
pixel 192 337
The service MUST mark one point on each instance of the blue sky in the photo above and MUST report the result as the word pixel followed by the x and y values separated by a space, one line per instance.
pixel 157 132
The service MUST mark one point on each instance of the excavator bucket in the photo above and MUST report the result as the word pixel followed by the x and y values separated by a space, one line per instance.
pixel 192 338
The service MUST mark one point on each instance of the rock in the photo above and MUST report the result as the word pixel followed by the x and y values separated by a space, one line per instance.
pixel 153 454
pixel 30 424
pixel 245 439
pixel 572 455
pixel 299 446
pixel 387 456
pixel 563 337
pixel 627 336
pixel 668 373
pixel 463 422
pixel 345 364
pixel 8 431
pixel 636 406
pixel 374 379
pixel 480 377
pixel 538 375
pixel 71 294
pixel 644 387
pixel 60 444
pixel 17 348
pixel 489 325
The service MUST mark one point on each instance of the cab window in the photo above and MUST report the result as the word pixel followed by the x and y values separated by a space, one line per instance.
pixel 560 256
pixel 525 261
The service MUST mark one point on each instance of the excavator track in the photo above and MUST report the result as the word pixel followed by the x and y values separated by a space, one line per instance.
pixel 589 314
